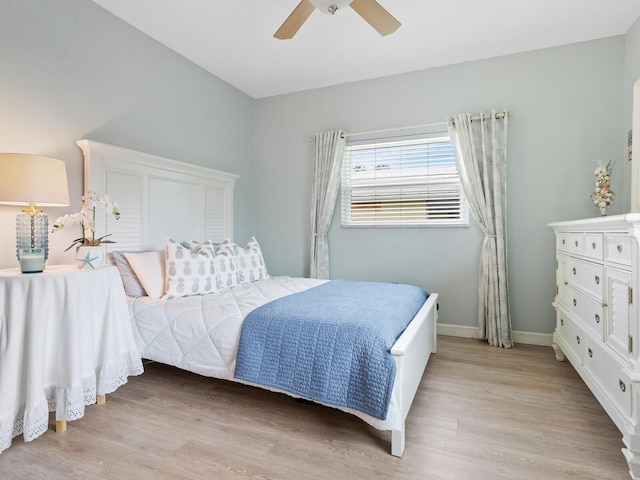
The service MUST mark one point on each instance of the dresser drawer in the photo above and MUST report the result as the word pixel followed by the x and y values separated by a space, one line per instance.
pixel 571 334
pixel 594 246
pixel 618 249
pixel 590 313
pixel 563 291
pixel 575 243
pixel 608 374
pixel 562 242
pixel 586 276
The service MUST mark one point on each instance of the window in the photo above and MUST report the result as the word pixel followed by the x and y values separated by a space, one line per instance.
pixel 402 182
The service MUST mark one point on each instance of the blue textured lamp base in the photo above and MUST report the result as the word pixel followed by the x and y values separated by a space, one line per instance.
pixel 32 231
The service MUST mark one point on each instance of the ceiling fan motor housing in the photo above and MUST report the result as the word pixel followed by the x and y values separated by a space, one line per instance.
pixel 330 7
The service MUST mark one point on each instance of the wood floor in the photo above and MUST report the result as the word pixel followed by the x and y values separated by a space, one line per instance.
pixel 481 413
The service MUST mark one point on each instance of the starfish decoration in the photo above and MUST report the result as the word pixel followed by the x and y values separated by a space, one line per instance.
pixel 87 261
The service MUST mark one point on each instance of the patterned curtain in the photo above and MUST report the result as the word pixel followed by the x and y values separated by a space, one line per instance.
pixel 480 144
pixel 326 180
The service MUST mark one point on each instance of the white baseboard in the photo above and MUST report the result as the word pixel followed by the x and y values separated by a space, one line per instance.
pixel 531 338
pixel 459 331
pixel 528 338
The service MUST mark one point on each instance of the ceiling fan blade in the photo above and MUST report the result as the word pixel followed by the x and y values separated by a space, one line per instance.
pixel 376 16
pixel 293 23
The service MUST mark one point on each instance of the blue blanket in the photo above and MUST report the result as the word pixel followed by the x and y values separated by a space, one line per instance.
pixel 330 343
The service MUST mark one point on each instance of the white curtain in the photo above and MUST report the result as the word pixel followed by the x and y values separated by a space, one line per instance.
pixel 326 180
pixel 480 144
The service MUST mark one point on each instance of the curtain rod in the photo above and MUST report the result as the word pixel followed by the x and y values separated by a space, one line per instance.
pixel 474 118
pixel 499 115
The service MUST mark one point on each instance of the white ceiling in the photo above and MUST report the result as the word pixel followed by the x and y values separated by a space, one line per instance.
pixel 233 39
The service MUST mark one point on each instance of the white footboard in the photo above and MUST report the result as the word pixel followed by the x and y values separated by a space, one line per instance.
pixel 411 353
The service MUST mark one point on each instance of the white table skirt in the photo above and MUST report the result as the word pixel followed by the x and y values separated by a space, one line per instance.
pixel 65 337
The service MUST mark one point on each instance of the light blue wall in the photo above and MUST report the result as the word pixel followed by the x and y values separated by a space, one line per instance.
pixel 71 70
pixel 567 109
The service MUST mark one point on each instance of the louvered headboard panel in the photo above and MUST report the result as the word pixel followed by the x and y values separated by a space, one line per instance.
pixel 158 197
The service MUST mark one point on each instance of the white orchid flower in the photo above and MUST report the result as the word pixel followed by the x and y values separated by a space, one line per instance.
pixel 86 218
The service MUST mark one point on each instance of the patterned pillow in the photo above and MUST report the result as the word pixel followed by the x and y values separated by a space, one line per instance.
pixel 191 244
pixel 190 272
pixel 250 262
pixel 227 264
pixel 131 282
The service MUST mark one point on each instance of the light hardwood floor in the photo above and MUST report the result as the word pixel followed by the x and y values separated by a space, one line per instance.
pixel 481 413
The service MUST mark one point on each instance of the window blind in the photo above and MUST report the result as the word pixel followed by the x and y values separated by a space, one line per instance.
pixel 408 182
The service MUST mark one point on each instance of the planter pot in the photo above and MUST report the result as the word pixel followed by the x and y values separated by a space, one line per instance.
pixel 89 257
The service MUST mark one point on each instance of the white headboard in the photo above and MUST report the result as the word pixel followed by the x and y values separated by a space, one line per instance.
pixel 158 197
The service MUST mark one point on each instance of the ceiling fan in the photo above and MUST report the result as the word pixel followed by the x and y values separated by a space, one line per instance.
pixel 370 10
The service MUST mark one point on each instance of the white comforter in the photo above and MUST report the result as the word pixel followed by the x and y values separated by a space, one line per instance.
pixel 201 333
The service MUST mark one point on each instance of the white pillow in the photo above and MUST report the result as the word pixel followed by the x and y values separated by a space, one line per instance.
pixel 249 260
pixel 190 271
pixel 149 268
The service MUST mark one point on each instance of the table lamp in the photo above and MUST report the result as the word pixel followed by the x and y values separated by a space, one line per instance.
pixel 30 180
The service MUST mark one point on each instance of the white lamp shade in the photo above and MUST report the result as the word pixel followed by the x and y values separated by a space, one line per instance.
pixel 30 178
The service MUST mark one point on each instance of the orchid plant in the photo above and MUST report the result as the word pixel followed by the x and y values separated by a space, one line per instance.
pixel 86 218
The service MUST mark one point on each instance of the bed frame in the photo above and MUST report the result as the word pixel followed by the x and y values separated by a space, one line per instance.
pixel 411 353
pixel 158 197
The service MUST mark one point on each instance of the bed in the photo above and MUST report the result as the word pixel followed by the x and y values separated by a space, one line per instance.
pixel 201 332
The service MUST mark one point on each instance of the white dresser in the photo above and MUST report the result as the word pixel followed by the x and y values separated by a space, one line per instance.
pixel 597 268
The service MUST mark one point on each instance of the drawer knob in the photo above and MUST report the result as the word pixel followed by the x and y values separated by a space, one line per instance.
pixel 578 339
pixel 574 270
pixel 623 386
pixel 576 242
pixel 562 322
pixel 597 318
pixel 597 280
pixel 575 302
pixel 590 353
pixel 593 245
pixel 566 283
pixel 619 248
pixel 564 241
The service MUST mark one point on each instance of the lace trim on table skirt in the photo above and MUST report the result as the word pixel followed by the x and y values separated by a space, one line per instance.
pixel 68 403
